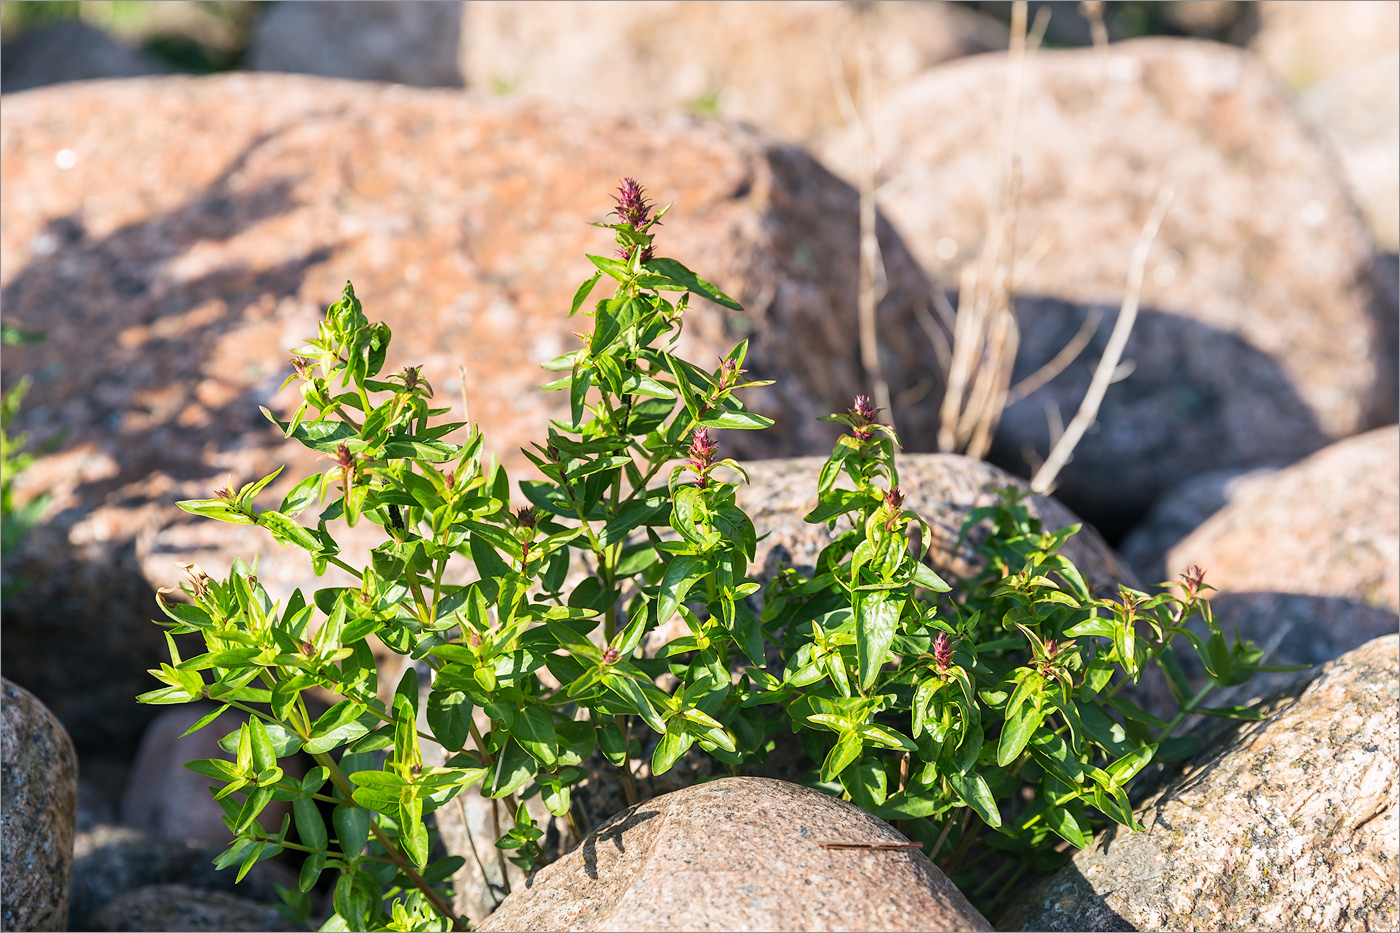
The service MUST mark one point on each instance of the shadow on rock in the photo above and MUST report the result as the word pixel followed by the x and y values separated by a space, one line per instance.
pixel 1190 403
pixel 133 394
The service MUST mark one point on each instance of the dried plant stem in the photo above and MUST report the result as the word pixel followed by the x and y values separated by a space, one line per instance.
pixel 873 283
pixel 1044 478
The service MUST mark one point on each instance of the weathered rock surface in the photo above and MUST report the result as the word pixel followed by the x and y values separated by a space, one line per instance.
pixel 1260 337
pixel 1314 547
pixel 71 51
pixel 1306 43
pixel 168 800
pixel 942 488
pixel 205 224
pixel 405 41
pixel 40 800
pixel 1358 110
pixel 767 64
pixel 1289 825
pixel 739 854
pixel 180 907
pixel 110 860
pixel 1177 513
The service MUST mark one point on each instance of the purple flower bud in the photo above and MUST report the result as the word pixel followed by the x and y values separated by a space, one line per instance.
pixel 609 655
pixel 702 455
pixel 525 517
pixel 632 206
pixel 863 414
pixel 942 652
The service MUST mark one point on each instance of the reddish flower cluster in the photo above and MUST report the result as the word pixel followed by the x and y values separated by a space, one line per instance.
pixel 863 413
pixel 942 652
pixel 634 210
pixel 1194 581
pixel 702 455
pixel 894 503
pixel 609 655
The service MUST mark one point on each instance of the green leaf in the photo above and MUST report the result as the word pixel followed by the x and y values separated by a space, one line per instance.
pixel 877 619
pixel 972 789
pixel 351 828
pixel 1017 731
pixel 302 495
pixel 674 743
pixel 925 577
pixel 1063 822
pixel 258 799
pixel 1131 710
pixel 513 769
pixel 612 267
pixel 534 730
pixel 683 572
pixel 311 829
pixel 449 717
pixel 735 420
pixel 1122 770
pixel 679 273
pixel 846 750
pixel 1092 626
pixel 631 691
pixel 581 295
pixel 311 871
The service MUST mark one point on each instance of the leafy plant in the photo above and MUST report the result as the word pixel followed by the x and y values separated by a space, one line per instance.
pixel 15 522
pixel 934 713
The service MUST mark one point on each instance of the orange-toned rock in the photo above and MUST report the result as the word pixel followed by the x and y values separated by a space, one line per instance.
pixel 739 853
pixel 176 237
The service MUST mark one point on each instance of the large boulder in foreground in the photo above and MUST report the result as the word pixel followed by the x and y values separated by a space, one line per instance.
pixel 1290 825
pixel 174 238
pixel 739 854
pixel 39 802
pixel 1260 338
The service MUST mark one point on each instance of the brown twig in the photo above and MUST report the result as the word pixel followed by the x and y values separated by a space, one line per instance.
pixel 1044 478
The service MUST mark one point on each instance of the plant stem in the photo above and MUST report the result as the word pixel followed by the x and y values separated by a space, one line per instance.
pixel 629 784
pixel 439 904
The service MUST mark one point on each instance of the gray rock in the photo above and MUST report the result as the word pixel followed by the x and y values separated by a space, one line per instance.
pixel 1260 339
pixel 181 907
pixel 37 809
pixel 109 860
pixel 739 854
pixel 70 51
pixel 1291 823
pixel 404 41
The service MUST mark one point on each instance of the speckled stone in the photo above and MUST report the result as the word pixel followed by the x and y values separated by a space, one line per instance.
pixel 204 225
pixel 1260 339
pixel 1289 824
pixel 739 854
pixel 180 907
pixel 38 803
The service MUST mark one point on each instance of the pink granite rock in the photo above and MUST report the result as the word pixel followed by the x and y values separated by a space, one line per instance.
pixel 1315 546
pixel 739 854
pixel 202 225
pixel 1291 824
pixel 1261 337
pixel 37 809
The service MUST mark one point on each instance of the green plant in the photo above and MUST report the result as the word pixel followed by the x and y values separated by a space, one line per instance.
pixel 918 711
pixel 15 522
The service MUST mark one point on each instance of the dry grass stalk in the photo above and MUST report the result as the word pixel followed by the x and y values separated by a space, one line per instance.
pixel 1104 372
pixel 873 284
